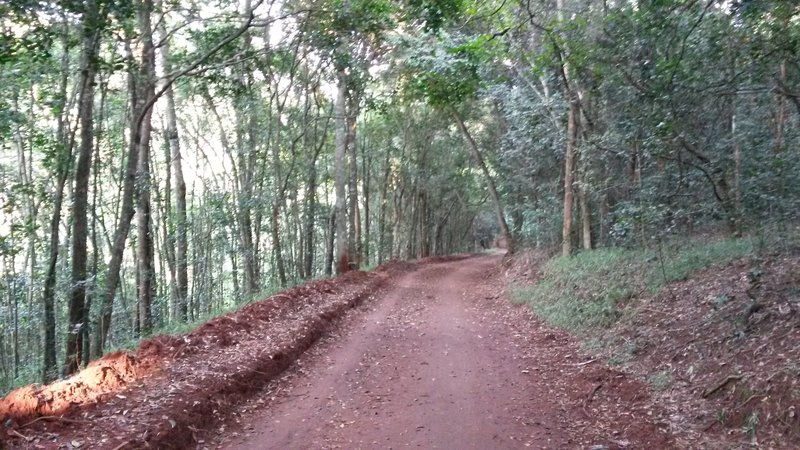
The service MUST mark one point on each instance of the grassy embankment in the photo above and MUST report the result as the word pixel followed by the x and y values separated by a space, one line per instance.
pixel 590 291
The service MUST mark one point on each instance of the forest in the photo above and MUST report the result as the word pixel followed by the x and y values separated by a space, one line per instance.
pixel 164 161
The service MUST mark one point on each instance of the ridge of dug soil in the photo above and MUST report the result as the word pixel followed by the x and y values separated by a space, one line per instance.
pixel 160 394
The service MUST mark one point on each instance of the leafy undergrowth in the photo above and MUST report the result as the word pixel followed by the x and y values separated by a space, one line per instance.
pixel 712 327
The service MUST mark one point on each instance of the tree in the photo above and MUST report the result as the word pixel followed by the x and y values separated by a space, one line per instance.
pixel 91 27
pixel 180 235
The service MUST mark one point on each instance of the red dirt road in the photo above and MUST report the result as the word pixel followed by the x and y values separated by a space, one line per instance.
pixel 428 355
pixel 444 360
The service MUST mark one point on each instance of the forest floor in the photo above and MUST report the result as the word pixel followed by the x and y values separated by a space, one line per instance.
pixel 429 355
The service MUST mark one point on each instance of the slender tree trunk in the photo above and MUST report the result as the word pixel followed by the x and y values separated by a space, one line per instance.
pixel 30 217
pixel 424 227
pixel 365 174
pixel 144 242
pixel 413 201
pixel 586 217
pixel 49 363
pixel 573 116
pixel 476 153
pixel 311 210
pixel 97 252
pixel 354 225
pixel 569 172
pixel 276 239
pixel 780 115
pixel 340 177
pixel 310 219
pixel 396 242
pixel 49 367
pixel 127 212
pixel 168 234
pixel 80 224
pixel 382 211
pixel 329 251
pixel 737 148
pixel 278 201
pixel 179 188
pixel 246 153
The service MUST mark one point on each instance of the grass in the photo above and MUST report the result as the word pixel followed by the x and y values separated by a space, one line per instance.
pixel 589 291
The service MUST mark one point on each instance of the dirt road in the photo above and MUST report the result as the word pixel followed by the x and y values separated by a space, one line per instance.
pixel 443 360
pixel 426 355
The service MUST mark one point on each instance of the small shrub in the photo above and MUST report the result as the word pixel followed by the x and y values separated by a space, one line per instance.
pixel 751 424
pixel 623 354
pixel 660 380
pixel 723 416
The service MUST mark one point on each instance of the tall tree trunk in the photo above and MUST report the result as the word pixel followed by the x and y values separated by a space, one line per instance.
pixel 397 222
pixel 569 173
pixel 365 174
pixel 573 116
pixel 310 220
pixel 25 177
pixel 424 227
pixel 780 114
pixel 278 201
pixel 382 210
pixel 80 224
pixel 97 253
pixel 737 148
pixel 49 363
pixel 245 199
pixel 168 234
pixel 498 205
pixel 276 238
pixel 340 176
pixel 354 225
pixel 127 211
pixel 49 366
pixel 329 249
pixel 311 210
pixel 146 269
pixel 178 186
pixel 586 217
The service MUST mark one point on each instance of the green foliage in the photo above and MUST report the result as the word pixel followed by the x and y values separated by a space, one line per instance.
pixel 434 13
pixel 338 26
pixel 444 76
